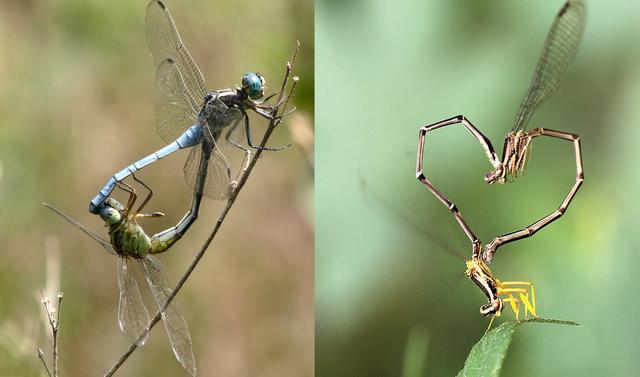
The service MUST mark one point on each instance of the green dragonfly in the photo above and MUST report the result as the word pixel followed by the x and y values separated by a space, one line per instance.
pixel 134 248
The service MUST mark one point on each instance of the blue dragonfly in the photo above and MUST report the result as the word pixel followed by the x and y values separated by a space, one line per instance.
pixel 190 116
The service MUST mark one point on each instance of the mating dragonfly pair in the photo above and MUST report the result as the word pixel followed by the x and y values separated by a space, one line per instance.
pixel 559 49
pixel 188 115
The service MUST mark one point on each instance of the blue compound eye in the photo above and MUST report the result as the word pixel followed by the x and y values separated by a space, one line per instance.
pixel 253 83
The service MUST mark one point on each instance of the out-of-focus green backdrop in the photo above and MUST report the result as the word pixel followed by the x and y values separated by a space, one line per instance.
pixel 386 68
pixel 76 104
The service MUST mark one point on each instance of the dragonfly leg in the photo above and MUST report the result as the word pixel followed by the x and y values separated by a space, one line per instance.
pixel 247 151
pixel 267 98
pixel 247 127
pixel 228 134
pixel 486 144
pixel 491 248
pixel 147 198
pixel 132 196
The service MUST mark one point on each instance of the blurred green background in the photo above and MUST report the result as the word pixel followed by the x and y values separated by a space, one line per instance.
pixel 76 105
pixel 386 68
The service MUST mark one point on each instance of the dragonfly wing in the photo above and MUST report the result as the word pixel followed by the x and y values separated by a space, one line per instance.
pixel 165 43
pixel 174 323
pixel 218 172
pixel 234 130
pixel 176 109
pixel 85 230
pixel 558 52
pixel 133 317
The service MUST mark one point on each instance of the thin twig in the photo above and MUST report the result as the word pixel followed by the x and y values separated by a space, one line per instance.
pixel 54 320
pixel 55 337
pixel 273 123
pixel 44 363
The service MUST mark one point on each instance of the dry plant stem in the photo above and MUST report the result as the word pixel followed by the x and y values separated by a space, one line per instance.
pixel 55 337
pixel 53 323
pixel 44 363
pixel 273 123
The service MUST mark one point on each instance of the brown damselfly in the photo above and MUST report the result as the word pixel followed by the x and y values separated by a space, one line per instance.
pixel 559 49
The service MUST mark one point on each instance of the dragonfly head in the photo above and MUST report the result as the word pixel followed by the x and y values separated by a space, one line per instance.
pixel 111 211
pixel 253 85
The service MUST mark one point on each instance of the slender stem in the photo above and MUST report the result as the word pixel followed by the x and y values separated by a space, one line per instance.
pixel 44 363
pixel 55 336
pixel 273 123
pixel 54 320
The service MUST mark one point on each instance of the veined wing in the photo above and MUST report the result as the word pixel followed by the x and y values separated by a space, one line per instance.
pixel 86 231
pixel 558 52
pixel 425 231
pixel 133 317
pixel 216 168
pixel 218 172
pixel 176 109
pixel 165 43
pixel 234 130
pixel 174 323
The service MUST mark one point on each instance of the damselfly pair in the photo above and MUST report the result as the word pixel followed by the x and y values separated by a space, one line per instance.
pixel 188 115
pixel 558 52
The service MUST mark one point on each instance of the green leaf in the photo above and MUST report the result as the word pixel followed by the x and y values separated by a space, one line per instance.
pixel 486 356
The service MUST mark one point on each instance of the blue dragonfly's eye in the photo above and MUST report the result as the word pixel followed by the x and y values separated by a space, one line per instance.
pixel 253 84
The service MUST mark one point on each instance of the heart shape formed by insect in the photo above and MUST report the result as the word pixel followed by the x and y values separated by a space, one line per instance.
pixel 515 155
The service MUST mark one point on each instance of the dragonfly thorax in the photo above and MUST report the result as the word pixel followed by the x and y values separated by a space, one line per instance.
pixel 481 275
pixel 126 235
pixel 222 108
pixel 514 158
pixel 128 238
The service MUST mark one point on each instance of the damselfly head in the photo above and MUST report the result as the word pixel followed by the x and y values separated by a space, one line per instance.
pixel 253 84
pixel 111 211
pixel 493 308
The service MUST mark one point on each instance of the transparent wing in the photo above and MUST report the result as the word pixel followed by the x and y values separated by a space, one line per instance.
pixel 443 273
pixel 234 131
pixel 176 109
pixel 558 52
pixel 133 317
pixel 218 172
pixel 86 231
pixel 423 229
pixel 165 43
pixel 174 323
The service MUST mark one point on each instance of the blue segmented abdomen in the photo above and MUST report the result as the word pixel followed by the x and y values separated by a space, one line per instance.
pixel 188 139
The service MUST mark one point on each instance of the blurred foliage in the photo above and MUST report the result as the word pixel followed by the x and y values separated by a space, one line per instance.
pixel 389 256
pixel 76 105
pixel 486 356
